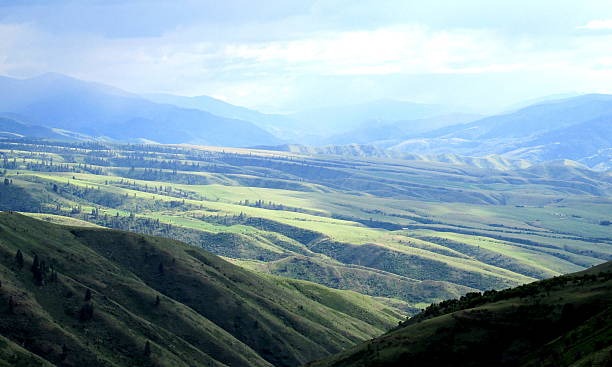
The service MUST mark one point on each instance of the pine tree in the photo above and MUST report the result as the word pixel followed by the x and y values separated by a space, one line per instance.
pixel 35 264
pixel 160 268
pixel 86 312
pixel 88 295
pixel 147 349
pixel 19 259
pixel 39 277
pixel 157 301
pixel 11 305
pixel 38 271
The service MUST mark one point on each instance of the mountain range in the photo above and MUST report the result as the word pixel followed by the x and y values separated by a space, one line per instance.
pixel 331 124
pixel 57 101
pixel 577 128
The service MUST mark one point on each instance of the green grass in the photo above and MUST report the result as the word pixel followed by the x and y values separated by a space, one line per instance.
pixel 557 322
pixel 364 220
pixel 212 313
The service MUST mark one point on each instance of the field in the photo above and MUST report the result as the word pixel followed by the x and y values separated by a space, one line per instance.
pixel 411 232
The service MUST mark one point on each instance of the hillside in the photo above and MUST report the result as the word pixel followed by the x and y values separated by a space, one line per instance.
pixel 534 119
pixel 371 151
pixel 58 101
pixel 77 296
pixel 587 139
pixel 338 119
pixel 12 128
pixel 387 133
pixel 576 128
pixel 557 322
pixel 411 231
pixel 279 125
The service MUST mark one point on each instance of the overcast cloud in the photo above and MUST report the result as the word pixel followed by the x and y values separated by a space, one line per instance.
pixel 288 55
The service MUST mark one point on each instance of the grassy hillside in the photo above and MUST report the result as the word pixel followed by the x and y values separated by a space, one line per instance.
pixel 89 296
pixel 561 321
pixel 418 231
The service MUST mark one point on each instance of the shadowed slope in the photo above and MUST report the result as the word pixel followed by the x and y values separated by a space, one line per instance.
pixel 560 321
pixel 209 312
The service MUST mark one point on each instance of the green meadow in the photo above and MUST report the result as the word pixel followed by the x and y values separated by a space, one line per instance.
pixel 407 230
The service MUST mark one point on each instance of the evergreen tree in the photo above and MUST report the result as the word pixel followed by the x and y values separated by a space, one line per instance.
pixel 64 354
pixel 86 312
pixel 35 264
pixel 38 271
pixel 160 268
pixel 19 259
pixel 88 295
pixel 147 349
pixel 11 305
pixel 39 277
pixel 157 301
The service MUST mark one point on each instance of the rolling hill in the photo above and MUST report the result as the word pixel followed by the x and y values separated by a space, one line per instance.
pixel 387 133
pixel 13 128
pixel 409 231
pixel 563 321
pixel 76 296
pixel 584 140
pixel 58 101
pixel 575 128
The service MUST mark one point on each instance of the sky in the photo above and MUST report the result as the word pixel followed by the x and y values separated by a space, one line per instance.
pixel 289 55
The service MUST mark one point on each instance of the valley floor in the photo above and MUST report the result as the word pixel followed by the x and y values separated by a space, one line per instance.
pixel 408 232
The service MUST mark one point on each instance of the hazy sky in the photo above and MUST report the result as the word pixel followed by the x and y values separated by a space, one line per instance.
pixel 286 55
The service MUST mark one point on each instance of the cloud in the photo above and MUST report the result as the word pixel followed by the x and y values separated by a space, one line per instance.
pixel 387 50
pixel 597 24
pixel 312 52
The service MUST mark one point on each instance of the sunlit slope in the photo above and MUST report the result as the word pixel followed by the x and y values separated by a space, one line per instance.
pixel 561 321
pixel 415 230
pixel 194 308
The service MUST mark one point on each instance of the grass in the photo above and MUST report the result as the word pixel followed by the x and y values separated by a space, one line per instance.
pixel 557 322
pixel 211 313
pixel 427 221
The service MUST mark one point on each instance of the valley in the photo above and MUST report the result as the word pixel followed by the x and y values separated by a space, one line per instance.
pixel 406 231
pixel 305 183
pixel 75 296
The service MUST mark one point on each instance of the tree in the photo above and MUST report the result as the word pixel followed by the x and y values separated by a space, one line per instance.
pixel 38 270
pixel 88 295
pixel 157 300
pixel 53 277
pixel 19 259
pixel 147 349
pixel 64 354
pixel 35 264
pixel 86 312
pixel 6 181
pixel 160 268
pixel 11 305
pixel 39 277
